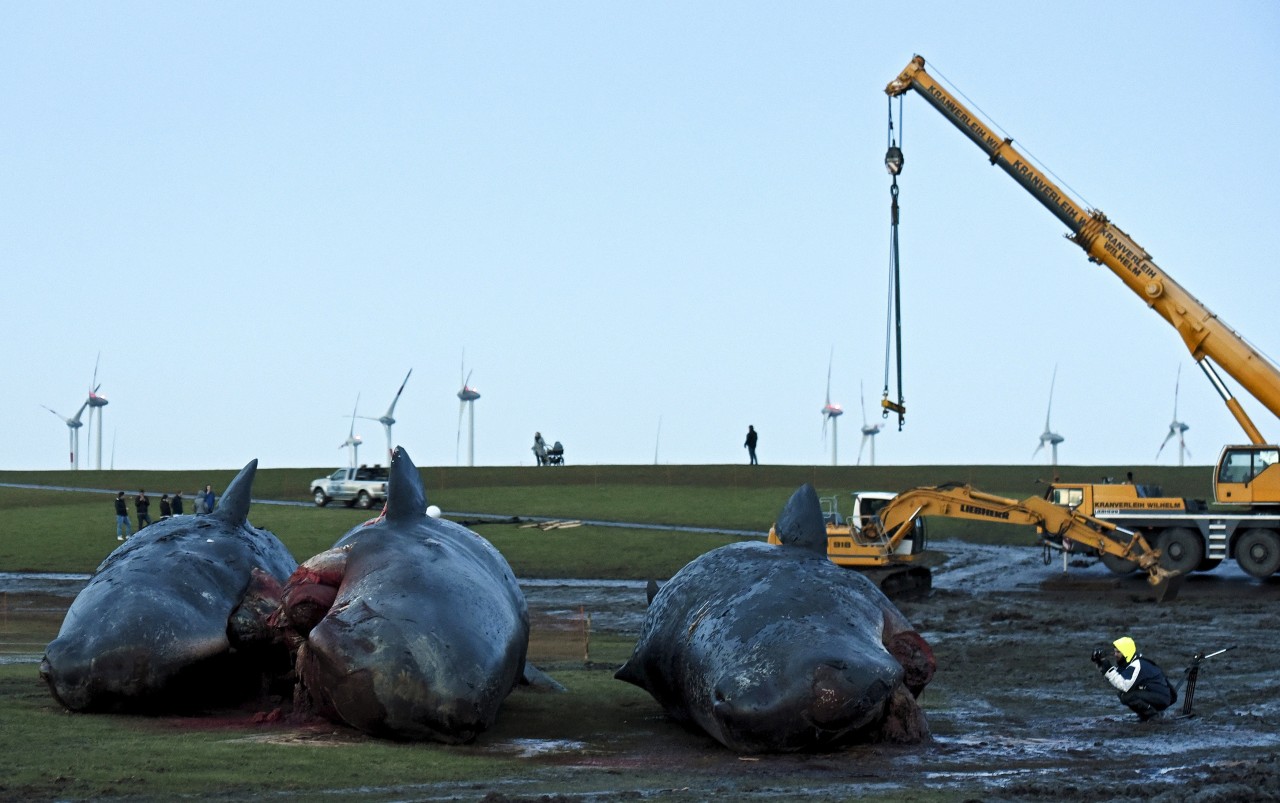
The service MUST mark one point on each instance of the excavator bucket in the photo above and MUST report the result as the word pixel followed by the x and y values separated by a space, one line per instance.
pixel 1166 584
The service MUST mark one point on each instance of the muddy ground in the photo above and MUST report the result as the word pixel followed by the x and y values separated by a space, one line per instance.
pixel 1017 710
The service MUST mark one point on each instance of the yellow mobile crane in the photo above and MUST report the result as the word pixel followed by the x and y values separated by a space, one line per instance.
pixel 886 545
pixel 1247 476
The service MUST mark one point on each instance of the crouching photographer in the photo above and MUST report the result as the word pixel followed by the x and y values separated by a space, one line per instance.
pixel 1141 684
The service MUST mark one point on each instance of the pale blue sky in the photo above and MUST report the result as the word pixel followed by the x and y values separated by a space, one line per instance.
pixel 625 214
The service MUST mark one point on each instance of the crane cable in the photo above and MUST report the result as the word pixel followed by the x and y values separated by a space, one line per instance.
pixel 893 315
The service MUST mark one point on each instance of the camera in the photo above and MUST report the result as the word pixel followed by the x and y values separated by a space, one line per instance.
pixel 1097 655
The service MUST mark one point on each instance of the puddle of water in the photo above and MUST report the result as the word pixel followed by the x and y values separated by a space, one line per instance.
pixel 21 658
pixel 531 748
pixel 62 585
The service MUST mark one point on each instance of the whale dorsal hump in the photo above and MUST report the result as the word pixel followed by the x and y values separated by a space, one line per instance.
pixel 405 497
pixel 801 523
pixel 233 505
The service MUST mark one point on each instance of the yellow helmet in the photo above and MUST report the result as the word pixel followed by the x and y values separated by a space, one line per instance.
pixel 1126 647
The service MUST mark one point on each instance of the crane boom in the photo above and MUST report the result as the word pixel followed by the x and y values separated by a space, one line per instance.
pixel 1203 333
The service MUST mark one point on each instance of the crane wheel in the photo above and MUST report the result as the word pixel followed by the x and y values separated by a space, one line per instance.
pixel 1181 549
pixel 1258 552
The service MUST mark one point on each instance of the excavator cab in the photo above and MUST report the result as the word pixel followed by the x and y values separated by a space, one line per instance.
pixel 1248 475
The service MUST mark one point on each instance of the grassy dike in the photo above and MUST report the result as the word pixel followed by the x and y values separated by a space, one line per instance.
pixel 69 531
pixel 51 754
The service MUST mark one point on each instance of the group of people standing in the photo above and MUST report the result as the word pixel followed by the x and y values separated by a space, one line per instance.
pixel 169 506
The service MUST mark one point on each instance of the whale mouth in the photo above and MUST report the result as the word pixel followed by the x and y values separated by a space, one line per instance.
pixel 832 706
pixel 841 705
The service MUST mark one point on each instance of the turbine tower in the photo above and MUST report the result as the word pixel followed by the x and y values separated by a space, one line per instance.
pixel 353 440
pixel 831 412
pixel 1049 437
pixel 388 418
pixel 869 432
pixel 467 398
pixel 73 431
pixel 1176 427
pixel 95 404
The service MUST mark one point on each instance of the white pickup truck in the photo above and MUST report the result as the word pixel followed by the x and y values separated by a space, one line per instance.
pixel 362 487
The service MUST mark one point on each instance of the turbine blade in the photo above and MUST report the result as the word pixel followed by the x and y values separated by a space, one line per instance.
pixel 1049 412
pixel 457 443
pixel 829 361
pixel 392 409
pixel 1176 383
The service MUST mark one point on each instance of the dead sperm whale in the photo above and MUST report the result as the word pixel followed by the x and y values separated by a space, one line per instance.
pixel 175 618
pixel 776 649
pixel 411 627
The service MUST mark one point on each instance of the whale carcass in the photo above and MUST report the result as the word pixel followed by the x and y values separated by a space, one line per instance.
pixel 777 649
pixel 176 617
pixel 411 627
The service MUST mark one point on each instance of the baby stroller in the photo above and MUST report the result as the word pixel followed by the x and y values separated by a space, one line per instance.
pixel 555 455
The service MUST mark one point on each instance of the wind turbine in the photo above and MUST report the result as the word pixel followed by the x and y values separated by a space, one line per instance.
pixel 869 431
pixel 388 418
pixel 831 412
pixel 73 431
pixel 467 398
pixel 1176 427
pixel 95 404
pixel 353 440
pixel 657 439
pixel 1049 436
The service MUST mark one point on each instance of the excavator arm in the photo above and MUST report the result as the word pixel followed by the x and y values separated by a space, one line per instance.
pixel 1203 333
pixel 1055 524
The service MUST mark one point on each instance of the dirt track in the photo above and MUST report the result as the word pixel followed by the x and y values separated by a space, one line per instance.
pixel 1017 710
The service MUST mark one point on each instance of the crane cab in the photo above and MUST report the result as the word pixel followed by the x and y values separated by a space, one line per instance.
pixel 1248 475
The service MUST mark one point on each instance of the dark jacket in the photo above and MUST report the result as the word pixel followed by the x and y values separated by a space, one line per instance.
pixel 121 508
pixel 1141 675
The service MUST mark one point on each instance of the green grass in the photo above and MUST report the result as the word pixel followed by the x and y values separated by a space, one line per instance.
pixel 51 754
pixel 73 531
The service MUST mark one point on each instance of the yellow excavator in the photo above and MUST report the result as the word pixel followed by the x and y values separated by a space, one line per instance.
pixel 1246 482
pixel 887 544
